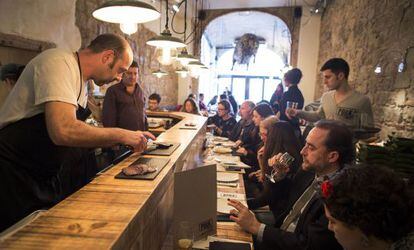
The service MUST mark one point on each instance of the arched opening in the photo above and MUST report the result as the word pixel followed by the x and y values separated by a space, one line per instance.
pixel 255 78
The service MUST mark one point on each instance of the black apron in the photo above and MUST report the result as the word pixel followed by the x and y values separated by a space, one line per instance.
pixel 35 173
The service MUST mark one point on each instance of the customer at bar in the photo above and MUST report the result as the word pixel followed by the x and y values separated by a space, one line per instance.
pixel 222 123
pixel 250 145
pixel 154 103
pixel 280 139
pixel 264 127
pixel 370 207
pixel 293 95
pixel 201 103
pixel 341 102
pixel 124 103
pixel 303 225
pixel 245 123
pixel 190 106
pixel 39 128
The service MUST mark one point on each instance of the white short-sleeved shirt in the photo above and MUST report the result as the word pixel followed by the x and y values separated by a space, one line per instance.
pixel 53 75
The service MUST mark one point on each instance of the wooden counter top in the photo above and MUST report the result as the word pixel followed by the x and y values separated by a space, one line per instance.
pixel 115 213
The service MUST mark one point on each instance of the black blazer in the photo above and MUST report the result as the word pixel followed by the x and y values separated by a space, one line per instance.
pixel 312 229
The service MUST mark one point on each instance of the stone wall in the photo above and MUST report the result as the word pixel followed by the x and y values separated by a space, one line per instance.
pixel 370 33
pixel 89 28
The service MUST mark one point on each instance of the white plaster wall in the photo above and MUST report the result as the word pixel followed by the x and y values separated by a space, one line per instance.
pixel 308 53
pixel 44 20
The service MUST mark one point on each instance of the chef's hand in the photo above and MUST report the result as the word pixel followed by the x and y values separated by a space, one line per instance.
pixel 137 140
pixel 237 143
pixel 244 217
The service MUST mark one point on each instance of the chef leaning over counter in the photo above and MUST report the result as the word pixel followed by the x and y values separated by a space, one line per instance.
pixel 41 128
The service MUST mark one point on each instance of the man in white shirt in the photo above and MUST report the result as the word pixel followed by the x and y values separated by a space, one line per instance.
pixel 341 102
pixel 39 129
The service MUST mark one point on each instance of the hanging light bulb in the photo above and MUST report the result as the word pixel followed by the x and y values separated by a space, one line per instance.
pixel 182 72
pixel 128 28
pixel 125 11
pixel 159 73
pixel 184 58
pixel 165 39
pixel 401 66
pixel 378 69
pixel 166 55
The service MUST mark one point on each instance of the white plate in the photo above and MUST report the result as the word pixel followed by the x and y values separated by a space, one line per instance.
pixel 222 150
pixel 220 139
pixel 227 177
pixel 222 206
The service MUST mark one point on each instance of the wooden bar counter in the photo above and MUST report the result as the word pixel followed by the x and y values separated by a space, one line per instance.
pixel 116 213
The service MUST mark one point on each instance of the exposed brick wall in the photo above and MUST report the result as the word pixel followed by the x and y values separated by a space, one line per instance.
pixel 89 28
pixel 367 33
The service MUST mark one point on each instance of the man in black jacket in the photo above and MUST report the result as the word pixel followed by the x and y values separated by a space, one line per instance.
pixel 303 224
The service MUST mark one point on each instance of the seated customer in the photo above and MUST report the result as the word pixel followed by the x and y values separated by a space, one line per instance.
pixel 154 103
pixel 249 148
pixel 201 103
pixel 222 123
pixel 246 114
pixel 190 106
pixel 280 139
pixel 303 224
pixel 370 207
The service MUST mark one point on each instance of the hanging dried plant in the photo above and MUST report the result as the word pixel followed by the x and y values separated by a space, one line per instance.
pixel 246 47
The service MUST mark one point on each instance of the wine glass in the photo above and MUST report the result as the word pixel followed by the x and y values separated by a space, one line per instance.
pixel 277 172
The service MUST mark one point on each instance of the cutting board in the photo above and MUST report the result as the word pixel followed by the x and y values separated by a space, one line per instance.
pixel 158 163
pixel 164 152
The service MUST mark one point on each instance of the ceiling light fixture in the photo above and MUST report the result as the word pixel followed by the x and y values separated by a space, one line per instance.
pixel 159 73
pixel 165 39
pixel 127 13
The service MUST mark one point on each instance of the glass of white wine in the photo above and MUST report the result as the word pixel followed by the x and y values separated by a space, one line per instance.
pixel 185 236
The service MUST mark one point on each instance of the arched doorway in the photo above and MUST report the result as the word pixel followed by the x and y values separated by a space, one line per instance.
pixel 259 79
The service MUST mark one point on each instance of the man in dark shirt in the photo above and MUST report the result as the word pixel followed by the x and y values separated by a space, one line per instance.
pixel 294 95
pixel 124 103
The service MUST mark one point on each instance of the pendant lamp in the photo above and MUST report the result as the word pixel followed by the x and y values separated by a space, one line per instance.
pixel 165 40
pixel 127 13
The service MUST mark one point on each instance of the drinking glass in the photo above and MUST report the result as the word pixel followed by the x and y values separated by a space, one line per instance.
pixel 185 236
pixel 276 174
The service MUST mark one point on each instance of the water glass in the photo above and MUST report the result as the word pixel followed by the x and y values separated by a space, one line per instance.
pixel 292 105
pixel 185 236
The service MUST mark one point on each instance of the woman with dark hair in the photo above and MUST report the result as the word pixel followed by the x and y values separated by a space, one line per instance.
pixel 249 146
pixel 280 139
pixel 370 208
pixel 222 123
pixel 190 106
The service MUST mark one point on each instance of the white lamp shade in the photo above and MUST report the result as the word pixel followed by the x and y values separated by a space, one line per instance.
pixel 131 11
pixel 166 40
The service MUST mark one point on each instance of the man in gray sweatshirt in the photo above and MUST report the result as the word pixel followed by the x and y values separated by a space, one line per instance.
pixel 341 102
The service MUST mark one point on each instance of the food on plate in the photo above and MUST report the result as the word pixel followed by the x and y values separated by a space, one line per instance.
pixel 138 169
